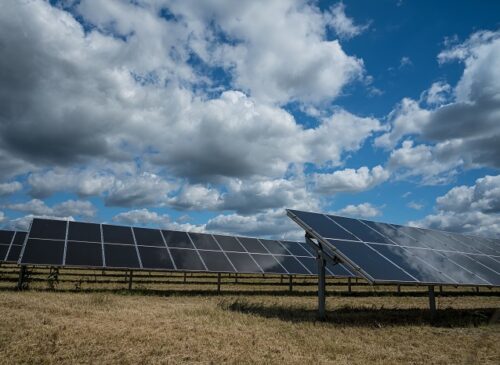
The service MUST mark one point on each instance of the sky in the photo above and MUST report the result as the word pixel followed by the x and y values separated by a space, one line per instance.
pixel 218 115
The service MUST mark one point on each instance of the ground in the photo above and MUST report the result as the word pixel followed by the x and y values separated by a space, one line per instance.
pixel 41 326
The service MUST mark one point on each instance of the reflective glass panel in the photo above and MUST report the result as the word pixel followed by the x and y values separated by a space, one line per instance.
pixel 6 237
pixel 338 270
pixel 488 262
pixel 216 261
pixel 323 226
pixel 46 228
pixel 121 256
pixel 229 243
pixel 117 234
pixel 204 241
pixel 3 251
pixel 43 252
pixel 447 267
pixel 360 230
pixel 19 238
pixel 243 262
pixel 177 239
pixel 187 260
pixel 148 237
pixel 472 265
pixel 371 262
pixel 84 254
pixel 297 249
pixel 252 245
pixel 412 264
pixel 78 231
pixel 14 253
pixel 269 264
pixel 155 258
pixel 274 247
pixel 292 265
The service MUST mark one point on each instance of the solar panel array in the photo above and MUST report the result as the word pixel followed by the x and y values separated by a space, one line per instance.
pixel 391 253
pixel 11 243
pixel 91 245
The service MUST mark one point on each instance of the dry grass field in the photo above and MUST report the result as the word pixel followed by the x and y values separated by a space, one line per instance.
pixel 196 325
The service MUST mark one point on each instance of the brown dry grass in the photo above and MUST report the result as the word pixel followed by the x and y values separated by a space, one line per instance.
pixel 41 327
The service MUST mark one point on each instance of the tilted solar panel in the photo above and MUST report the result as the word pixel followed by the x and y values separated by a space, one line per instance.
pixel 92 245
pixel 11 243
pixel 383 252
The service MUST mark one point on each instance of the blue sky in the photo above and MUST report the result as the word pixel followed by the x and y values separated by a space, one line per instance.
pixel 217 117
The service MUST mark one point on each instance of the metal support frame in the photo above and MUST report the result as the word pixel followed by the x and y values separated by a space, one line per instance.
pixel 432 301
pixel 290 283
pixel 21 283
pixel 349 289
pixel 218 282
pixel 321 280
pixel 53 277
pixel 321 286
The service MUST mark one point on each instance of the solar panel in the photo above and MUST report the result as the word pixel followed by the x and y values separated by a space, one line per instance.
pixel 11 243
pixel 385 253
pixel 92 245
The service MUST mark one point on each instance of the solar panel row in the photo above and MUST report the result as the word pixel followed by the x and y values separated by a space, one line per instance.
pixel 390 253
pixel 11 243
pixel 78 244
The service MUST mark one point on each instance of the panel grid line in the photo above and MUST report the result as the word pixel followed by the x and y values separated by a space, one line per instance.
pixel 102 247
pixel 65 244
pixel 251 257
pixel 136 248
pixel 300 262
pixel 25 243
pixel 279 263
pixel 168 249
pixel 196 249
pixel 224 252
pixel 10 245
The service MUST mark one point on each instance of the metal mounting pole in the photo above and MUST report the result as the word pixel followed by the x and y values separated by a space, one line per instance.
pixel 218 282
pixel 22 274
pixel 290 283
pixel 349 285
pixel 432 301
pixel 321 286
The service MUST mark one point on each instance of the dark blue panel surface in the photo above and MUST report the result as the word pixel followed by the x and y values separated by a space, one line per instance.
pixel 43 252
pixel 295 248
pixel 78 231
pixel 292 265
pixel 252 245
pixel 84 254
pixel 6 237
pixel 117 234
pixel 243 262
pixel 360 230
pixel 121 256
pixel 204 241
pixel 412 264
pixel 274 247
pixel 269 264
pixel 155 258
pixel 216 261
pixel 379 268
pixel 323 226
pixel 187 260
pixel 48 228
pixel 177 239
pixel 148 237
pixel 229 243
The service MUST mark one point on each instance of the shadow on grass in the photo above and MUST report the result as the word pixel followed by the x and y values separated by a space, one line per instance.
pixel 368 317
pixel 186 291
